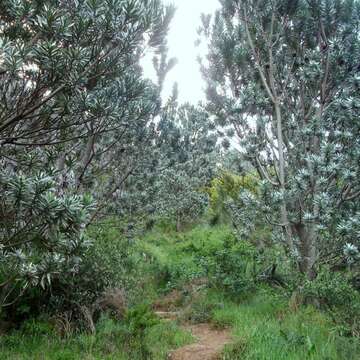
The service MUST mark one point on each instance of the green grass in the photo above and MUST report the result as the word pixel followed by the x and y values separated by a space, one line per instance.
pixel 175 256
pixel 263 327
pixel 262 323
pixel 112 341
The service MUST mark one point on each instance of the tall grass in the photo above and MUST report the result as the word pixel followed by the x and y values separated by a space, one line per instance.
pixel 112 340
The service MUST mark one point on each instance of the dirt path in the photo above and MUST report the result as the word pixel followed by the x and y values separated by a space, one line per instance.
pixel 209 341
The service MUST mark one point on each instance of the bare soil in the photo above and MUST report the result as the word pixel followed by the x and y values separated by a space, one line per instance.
pixel 209 343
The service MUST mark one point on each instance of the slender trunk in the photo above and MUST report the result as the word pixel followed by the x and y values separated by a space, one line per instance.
pixel 86 159
pixel 283 209
pixel 61 178
pixel 307 233
pixel 271 91
pixel 178 224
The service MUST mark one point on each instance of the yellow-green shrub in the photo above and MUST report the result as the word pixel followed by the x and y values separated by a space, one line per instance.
pixel 227 187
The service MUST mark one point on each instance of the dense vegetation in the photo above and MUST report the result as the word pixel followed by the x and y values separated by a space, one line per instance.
pixel 245 207
pixel 210 277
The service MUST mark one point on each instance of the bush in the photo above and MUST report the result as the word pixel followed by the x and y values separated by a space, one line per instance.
pixel 201 308
pixel 336 294
pixel 138 321
pixel 331 289
pixel 113 257
pixel 139 318
pixel 42 241
pixel 225 187
pixel 232 267
pixel 109 263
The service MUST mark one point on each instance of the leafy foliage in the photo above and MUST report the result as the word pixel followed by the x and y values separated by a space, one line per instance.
pixel 233 268
pixel 42 234
pixel 91 155
pixel 336 293
pixel 188 151
pixel 225 189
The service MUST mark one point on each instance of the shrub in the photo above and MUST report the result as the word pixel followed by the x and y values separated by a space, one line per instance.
pixel 108 264
pixel 331 289
pixel 139 318
pixel 200 308
pixel 42 241
pixel 226 187
pixel 138 321
pixel 113 254
pixel 335 293
pixel 232 267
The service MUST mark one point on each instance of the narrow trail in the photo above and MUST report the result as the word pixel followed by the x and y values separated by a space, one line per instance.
pixel 209 345
pixel 209 342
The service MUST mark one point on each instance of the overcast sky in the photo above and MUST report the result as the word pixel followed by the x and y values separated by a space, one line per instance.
pixel 181 41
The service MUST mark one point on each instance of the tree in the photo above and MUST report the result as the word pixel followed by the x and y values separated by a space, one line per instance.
pixel 72 88
pixel 188 152
pixel 75 119
pixel 284 74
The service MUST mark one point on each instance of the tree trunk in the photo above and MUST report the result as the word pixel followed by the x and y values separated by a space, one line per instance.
pixel 283 209
pixel 307 249
pixel 62 177
pixel 86 159
pixel 178 224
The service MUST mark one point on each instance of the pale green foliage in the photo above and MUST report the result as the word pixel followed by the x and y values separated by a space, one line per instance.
pixel 75 119
pixel 285 76
pixel 42 234
pixel 188 154
pixel 180 196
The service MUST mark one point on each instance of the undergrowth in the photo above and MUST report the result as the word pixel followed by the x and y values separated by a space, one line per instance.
pixel 137 338
pixel 217 279
pixel 263 324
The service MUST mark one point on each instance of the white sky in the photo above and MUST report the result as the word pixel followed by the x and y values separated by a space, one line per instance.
pixel 181 39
